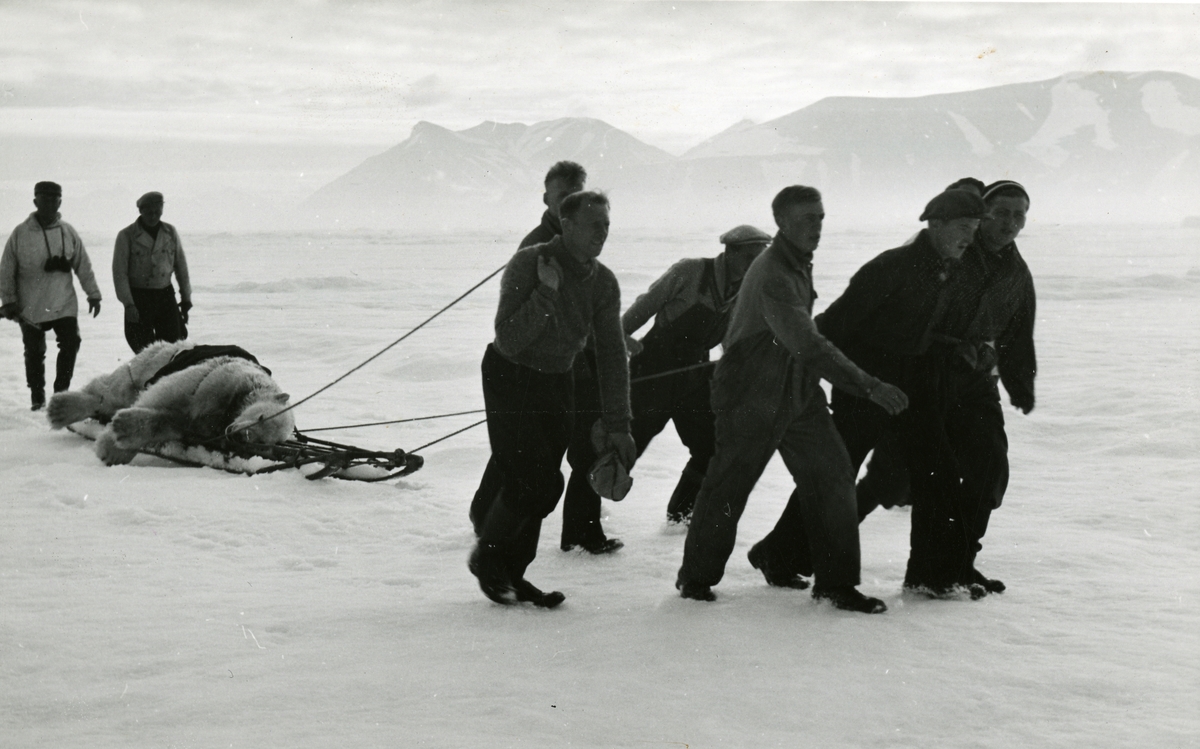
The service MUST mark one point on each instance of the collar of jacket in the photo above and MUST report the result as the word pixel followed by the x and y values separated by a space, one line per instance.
pixel 796 257
pixel 576 269
pixel 33 220
pixel 928 256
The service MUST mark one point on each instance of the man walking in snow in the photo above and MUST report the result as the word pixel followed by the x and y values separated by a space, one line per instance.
pixel 147 252
pixel 581 504
pixel 1001 331
pixel 767 396
pixel 690 305
pixel 552 297
pixel 37 291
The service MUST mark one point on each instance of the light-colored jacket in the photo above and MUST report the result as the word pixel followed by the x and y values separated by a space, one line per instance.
pixel 44 296
pixel 774 356
pixel 141 261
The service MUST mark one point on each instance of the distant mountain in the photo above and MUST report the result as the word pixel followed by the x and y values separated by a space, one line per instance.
pixel 1088 146
pixel 438 176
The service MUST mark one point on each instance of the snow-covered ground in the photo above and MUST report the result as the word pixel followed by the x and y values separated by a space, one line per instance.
pixel 159 606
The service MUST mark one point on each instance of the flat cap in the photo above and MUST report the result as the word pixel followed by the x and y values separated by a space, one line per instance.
pixel 745 233
pixel 953 204
pixel 149 197
pixel 47 188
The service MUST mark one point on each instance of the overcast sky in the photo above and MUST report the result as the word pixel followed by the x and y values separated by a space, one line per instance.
pixel 671 74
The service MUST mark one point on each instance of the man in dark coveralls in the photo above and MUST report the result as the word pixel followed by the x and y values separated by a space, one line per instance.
pixel 553 296
pixel 767 396
pixel 581 504
pixel 690 305
pixel 907 316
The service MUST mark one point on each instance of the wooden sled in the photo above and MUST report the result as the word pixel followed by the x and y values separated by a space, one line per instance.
pixel 314 458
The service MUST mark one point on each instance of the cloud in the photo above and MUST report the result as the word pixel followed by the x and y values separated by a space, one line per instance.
pixel 671 73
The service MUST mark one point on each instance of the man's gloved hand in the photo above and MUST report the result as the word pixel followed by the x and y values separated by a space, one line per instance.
pixel 184 307
pixel 633 345
pixel 622 443
pixel 10 311
pixel 549 272
pixel 889 397
pixel 1025 404
pixel 132 316
pixel 94 306
pixel 619 442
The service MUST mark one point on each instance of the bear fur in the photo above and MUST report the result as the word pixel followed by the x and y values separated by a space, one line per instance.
pixel 217 397
pixel 101 398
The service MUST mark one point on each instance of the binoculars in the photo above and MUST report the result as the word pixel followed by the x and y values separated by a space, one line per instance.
pixel 57 263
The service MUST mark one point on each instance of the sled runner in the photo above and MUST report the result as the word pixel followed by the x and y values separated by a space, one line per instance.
pixel 315 458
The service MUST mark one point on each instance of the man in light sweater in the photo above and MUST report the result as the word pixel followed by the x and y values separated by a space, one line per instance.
pixel 690 305
pixel 552 296
pixel 767 396
pixel 37 291
pixel 147 252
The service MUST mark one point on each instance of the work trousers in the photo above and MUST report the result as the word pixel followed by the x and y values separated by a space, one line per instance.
pixel 529 417
pixel 66 331
pixel 684 398
pixel 159 318
pixel 958 458
pixel 581 505
pixel 746 438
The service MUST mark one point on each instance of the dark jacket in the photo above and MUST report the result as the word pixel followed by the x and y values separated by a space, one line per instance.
pixel 1006 315
pixel 908 302
pixel 544 232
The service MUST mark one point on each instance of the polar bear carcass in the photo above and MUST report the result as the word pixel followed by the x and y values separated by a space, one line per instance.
pixel 106 394
pixel 226 395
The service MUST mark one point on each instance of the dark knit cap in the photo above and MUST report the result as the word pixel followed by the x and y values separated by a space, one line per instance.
pixel 953 204
pixel 1005 187
pixel 149 197
pixel 47 188
pixel 745 234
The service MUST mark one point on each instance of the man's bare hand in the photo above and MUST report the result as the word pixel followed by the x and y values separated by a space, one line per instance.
pixel 890 398
pixel 549 272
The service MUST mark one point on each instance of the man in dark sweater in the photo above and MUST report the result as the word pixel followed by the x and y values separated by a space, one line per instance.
pixel 1004 321
pixel 767 396
pixel 581 505
pixel 690 305
pixel 552 297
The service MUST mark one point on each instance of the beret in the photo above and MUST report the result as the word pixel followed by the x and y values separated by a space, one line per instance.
pixel 47 188
pixel 745 233
pixel 953 204
pixel 149 197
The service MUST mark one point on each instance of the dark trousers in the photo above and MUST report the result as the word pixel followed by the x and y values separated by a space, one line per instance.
pixel 529 417
pixel 958 458
pixel 581 505
pixel 683 398
pixel 746 438
pixel 158 318
pixel 66 331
